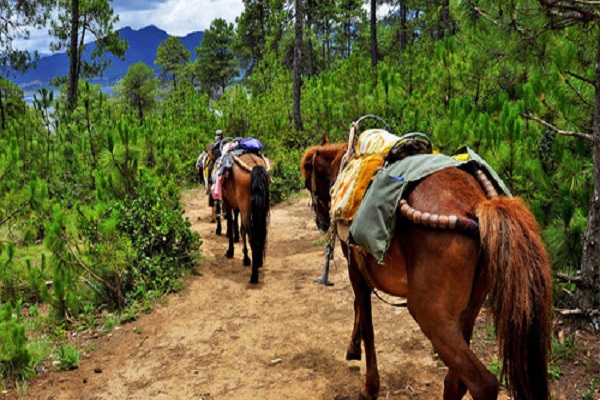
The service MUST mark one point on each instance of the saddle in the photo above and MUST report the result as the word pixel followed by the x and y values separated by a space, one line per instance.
pixel 408 145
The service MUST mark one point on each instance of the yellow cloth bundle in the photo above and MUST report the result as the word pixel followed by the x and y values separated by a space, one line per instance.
pixel 353 181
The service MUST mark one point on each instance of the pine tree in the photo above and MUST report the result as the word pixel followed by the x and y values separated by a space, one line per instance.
pixel 216 64
pixel 17 19
pixel 77 19
pixel 171 57
pixel 138 88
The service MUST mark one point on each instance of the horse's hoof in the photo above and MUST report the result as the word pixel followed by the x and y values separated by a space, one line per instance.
pixel 247 262
pixel 367 396
pixel 352 355
pixel 213 221
pixel 218 232
pixel 229 254
pixel 254 280
pixel 236 240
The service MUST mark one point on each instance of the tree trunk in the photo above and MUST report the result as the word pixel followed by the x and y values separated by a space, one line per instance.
pixel 403 25
pixel 297 66
pixel 446 23
pixel 374 40
pixel 312 64
pixel 73 56
pixel 585 293
pixel 263 32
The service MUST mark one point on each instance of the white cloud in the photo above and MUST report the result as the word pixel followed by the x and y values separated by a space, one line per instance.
pixel 176 17
pixel 179 17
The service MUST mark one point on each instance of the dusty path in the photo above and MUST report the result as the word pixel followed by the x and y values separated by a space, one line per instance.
pixel 222 338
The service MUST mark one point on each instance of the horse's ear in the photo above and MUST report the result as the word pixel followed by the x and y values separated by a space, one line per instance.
pixel 324 141
pixel 306 164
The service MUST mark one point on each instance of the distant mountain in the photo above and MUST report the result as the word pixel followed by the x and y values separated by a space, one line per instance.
pixel 143 44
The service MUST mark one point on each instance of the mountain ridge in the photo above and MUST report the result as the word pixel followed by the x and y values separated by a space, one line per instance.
pixel 143 45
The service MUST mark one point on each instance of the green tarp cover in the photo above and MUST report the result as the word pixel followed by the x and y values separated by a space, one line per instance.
pixel 374 222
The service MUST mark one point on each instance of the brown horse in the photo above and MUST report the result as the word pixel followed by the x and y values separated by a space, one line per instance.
pixel 205 166
pixel 447 274
pixel 246 189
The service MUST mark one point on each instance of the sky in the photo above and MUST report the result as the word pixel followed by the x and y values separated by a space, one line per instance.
pixel 176 17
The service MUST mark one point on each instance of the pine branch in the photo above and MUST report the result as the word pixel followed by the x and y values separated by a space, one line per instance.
pixel 565 117
pixel 532 117
pixel 578 93
pixel 7 170
pixel 581 78
pixel 576 11
pixel 567 278
pixel 5 220
pixel 485 15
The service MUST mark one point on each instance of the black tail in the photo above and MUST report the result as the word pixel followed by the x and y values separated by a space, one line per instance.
pixel 259 217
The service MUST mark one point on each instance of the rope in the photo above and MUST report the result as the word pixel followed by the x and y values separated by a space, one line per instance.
pixel 350 150
pixel 403 304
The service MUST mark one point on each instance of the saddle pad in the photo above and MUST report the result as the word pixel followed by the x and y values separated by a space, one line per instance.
pixel 374 141
pixel 353 181
pixel 351 185
pixel 374 223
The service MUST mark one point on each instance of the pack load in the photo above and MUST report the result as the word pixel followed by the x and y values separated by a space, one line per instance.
pixel 230 149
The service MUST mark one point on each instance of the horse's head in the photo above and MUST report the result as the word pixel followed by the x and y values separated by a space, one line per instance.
pixel 320 167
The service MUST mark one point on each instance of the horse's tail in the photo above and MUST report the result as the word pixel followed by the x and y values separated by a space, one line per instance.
pixel 259 215
pixel 519 276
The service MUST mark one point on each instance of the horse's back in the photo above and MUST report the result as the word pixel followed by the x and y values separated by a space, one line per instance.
pixel 449 191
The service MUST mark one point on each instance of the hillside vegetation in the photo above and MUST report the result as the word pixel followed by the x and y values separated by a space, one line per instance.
pixel 91 227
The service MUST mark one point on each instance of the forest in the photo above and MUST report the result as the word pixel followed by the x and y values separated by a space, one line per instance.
pixel 91 227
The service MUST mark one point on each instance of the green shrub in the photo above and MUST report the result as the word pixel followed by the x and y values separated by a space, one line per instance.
pixel 162 240
pixel 14 355
pixel 68 356
pixel 287 178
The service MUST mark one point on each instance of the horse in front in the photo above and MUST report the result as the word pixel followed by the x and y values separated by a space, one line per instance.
pixel 454 242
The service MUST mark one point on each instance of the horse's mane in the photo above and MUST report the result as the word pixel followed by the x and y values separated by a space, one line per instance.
pixel 333 152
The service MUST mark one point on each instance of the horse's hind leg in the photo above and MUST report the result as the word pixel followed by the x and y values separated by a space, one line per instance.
pixel 229 218
pixel 247 262
pixel 466 369
pixel 454 388
pixel 449 332
pixel 236 226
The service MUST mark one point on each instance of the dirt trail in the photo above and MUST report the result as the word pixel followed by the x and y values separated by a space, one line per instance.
pixel 222 338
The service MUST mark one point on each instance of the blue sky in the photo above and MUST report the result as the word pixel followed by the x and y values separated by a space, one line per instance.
pixel 177 17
